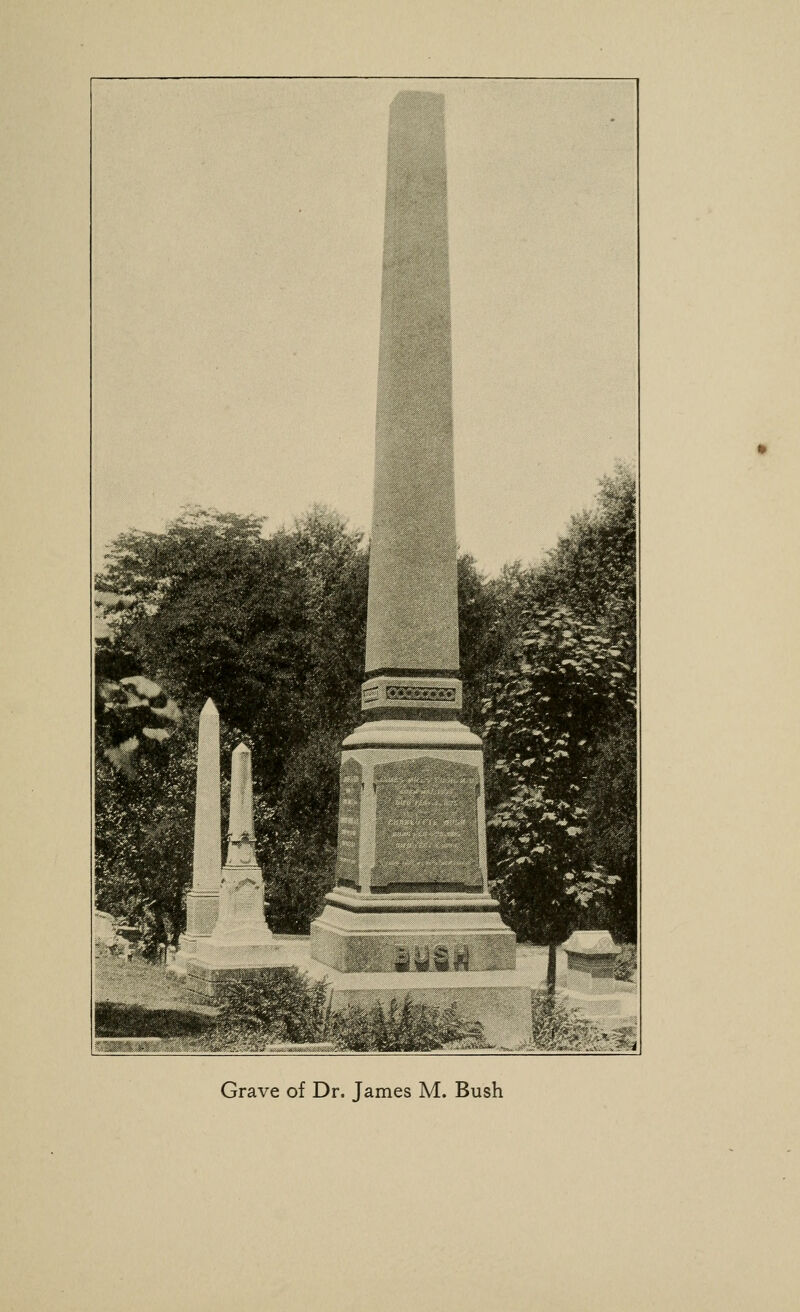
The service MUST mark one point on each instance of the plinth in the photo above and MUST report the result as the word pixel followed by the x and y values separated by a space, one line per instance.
pixel 411 893
pixel 241 945
pixel 411 912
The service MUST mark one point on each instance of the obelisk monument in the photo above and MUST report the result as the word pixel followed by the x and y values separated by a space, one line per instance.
pixel 202 900
pixel 240 942
pixel 411 896
pixel 412 624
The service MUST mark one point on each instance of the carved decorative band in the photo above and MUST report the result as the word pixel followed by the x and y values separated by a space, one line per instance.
pixel 422 692
pixel 408 693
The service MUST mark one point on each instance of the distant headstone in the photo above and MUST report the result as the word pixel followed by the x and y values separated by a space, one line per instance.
pixel 104 931
pixel 591 954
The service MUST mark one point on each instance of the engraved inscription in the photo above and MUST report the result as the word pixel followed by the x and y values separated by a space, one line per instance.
pixel 420 954
pixel 426 828
pixel 349 824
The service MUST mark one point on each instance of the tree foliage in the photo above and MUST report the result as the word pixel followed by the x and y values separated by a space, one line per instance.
pixel 271 626
pixel 132 712
pixel 592 568
pixel 545 717
pixel 144 828
pixel 561 728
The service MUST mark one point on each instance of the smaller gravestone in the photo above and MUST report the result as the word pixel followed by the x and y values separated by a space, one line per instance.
pixel 591 955
pixel 104 931
pixel 241 942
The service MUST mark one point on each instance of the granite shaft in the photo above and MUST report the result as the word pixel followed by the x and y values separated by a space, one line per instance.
pixel 412 619
pixel 241 813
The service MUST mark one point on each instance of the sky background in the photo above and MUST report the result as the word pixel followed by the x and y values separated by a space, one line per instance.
pixel 237 246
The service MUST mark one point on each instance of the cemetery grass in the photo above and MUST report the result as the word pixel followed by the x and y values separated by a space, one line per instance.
pixel 139 1000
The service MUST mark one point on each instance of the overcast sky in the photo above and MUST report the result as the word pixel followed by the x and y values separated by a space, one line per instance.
pixel 237 247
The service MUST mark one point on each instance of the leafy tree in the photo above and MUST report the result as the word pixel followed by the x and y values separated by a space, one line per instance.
pixel 592 572
pixel 272 627
pixel 610 797
pixel 144 824
pixel 482 635
pixel 218 615
pixel 331 571
pixel 545 716
pixel 273 630
pixel 592 568
pixel 132 712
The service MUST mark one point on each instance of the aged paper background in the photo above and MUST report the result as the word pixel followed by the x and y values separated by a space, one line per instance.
pixel 664 1181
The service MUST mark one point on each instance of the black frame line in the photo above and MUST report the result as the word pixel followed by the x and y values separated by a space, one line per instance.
pixel 379 77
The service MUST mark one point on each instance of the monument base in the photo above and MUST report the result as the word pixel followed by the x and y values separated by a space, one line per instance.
pixel 202 910
pixel 500 1001
pixel 236 950
pixel 412 935
pixel 206 981
pixel 590 1004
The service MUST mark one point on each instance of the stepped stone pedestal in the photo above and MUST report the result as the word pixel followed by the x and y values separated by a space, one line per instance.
pixel 411 910
pixel 411 893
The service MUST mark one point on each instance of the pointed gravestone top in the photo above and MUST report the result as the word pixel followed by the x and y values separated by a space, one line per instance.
pixel 209 709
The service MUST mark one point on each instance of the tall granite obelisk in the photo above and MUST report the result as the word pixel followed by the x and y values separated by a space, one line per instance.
pixel 411 891
pixel 202 900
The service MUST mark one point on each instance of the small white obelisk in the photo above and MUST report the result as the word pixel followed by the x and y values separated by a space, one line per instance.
pixel 241 938
pixel 202 900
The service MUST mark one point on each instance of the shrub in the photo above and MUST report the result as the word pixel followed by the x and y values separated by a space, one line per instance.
pixel 283 1005
pixel 627 963
pixel 407 1027
pixel 557 1027
pixel 297 875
